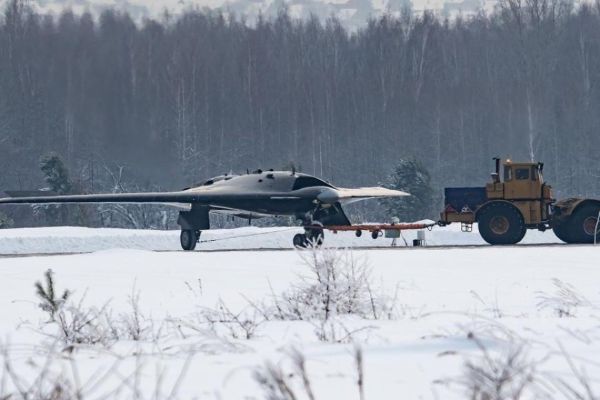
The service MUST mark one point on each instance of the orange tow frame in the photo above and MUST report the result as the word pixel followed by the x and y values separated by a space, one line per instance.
pixel 375 229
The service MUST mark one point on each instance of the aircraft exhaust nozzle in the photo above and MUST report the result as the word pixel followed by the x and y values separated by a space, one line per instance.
pixel 364 193
pixel 328 196
pixel 331 196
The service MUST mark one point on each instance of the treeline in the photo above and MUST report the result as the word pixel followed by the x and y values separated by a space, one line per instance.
pixel 164 103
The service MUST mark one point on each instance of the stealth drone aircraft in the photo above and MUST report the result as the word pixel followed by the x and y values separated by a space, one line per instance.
pixel 254 195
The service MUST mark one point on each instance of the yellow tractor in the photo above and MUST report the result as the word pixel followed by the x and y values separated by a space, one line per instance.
pixel 519 200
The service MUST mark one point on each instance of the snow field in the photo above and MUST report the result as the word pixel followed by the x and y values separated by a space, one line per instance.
pixel 544 299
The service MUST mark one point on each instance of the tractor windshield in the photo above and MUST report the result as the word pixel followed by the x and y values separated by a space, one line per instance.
pixel 522 174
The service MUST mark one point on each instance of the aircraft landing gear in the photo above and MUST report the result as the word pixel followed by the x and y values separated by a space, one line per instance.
pixel 313 236
pixel 300 241
pixel 189 238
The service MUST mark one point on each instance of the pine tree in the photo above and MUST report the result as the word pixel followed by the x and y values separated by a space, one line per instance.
pixel 410 176
pixel 49 302
pixel 5 221
pixel 56 174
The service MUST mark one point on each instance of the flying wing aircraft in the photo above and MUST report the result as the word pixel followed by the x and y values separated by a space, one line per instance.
pixel 253 195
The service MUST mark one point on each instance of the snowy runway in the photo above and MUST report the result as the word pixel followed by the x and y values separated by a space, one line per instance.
pixel 85 240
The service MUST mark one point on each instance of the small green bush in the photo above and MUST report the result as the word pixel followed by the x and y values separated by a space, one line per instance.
pixel 5 221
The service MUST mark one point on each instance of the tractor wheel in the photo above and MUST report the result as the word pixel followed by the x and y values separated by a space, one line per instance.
pixel 501 223
pixel 562 230
pixel 582 224
pixel 188 239
pixel 300 241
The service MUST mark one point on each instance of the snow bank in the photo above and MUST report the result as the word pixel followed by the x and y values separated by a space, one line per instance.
pixel 443 293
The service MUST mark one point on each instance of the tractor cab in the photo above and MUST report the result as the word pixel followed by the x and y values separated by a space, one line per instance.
pixel 520 181
pixel 521 172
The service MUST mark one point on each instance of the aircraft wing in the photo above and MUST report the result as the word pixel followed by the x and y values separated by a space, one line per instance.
pixel 218 198
pixel 352 195
pixel 150 197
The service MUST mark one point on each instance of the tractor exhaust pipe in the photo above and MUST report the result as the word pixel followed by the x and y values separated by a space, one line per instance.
pixel 496 175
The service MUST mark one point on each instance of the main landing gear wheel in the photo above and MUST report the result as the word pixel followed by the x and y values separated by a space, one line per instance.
pixel 300 241
pixel 189 239
pixel 501 223
pixel 582 224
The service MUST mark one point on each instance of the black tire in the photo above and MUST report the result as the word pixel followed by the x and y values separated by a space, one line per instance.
pixel 358 233
pixel 188 239
pixel 583 223
pixel 562 230
pixel 522 234
pixel 300 241
pixel 501 223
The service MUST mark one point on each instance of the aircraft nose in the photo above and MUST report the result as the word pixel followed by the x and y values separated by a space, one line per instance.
pixel 328 196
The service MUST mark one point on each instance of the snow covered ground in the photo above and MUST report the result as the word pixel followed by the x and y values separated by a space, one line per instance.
pixel 447 319
pixel 77 240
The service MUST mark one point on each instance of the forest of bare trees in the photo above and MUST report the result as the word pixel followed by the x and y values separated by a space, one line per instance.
pixel 161 104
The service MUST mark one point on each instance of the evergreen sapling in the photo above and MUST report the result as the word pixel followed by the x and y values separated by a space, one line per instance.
pixel 49 302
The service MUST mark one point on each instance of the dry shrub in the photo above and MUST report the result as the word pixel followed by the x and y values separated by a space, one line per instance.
pixel 55 375
pixel 279 384
pixel 222 321
pixel 77 324
pixel 337 284
pixel 565 300
pixel 508 374
pixel 577 386
pixel 337 330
